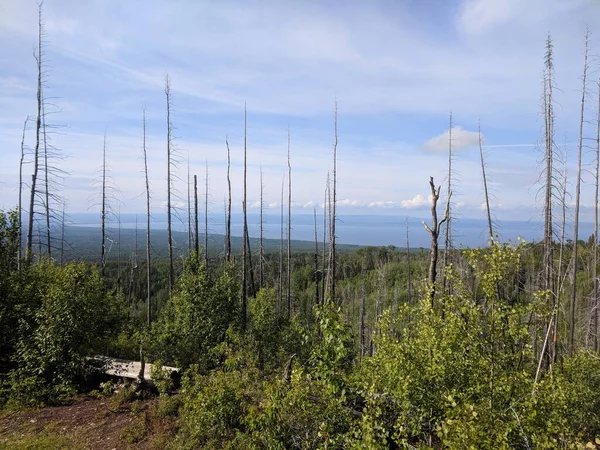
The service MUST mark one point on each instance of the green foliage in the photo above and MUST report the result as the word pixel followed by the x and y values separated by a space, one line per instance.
pixel 161 378
pixel 451 375
pixel 301 414
pixel 69 316
pixel 215 406
pixel 196 317
pixel 10 300
pixel 330 346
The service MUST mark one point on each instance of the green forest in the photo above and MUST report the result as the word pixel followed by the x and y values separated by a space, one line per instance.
pixel 282 344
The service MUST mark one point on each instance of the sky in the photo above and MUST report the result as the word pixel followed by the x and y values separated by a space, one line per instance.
pixel 395 69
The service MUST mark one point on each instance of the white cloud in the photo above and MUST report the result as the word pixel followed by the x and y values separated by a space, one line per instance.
pixel 415 202
pixel 461 139
pixel 382 204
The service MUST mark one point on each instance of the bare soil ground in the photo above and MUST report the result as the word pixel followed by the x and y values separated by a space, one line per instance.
pixel 87 423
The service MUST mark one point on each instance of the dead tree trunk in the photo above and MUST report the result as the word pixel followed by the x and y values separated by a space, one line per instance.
pixel 408 267
pixel 169 182
pixel 448 230
pixel 62 236
pixel 46 181
pixel 189 205
pixel 228 218
pixel 560 277
pixel 206 218
pixel 148 262
pixel 281 250
pixel 485 188
pixel 325 272
pixel 289 234
pixel 196 241
pixel 577 199
pixel 20 242
pixel 260 250
pixel 244 298
pixel 434 232
pixel 333 218
pixel 38 126
pixel 316 276
pixel 595 304
pixel 103 212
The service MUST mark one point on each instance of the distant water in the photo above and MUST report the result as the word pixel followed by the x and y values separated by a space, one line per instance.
pixel 350 229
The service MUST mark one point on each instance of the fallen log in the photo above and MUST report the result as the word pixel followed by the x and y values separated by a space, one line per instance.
pixel 123 368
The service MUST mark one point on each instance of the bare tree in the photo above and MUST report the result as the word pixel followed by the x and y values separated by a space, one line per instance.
pixel 38 125
pixel 434 232
pixel 289 232
pixel 147 182
pixel 103 210
pixel 189 204
pixel 548 103
pixel 228 218
pixel 577 200
pixel 485 186
pixel 316 276
pixel 324 265
pixel 595 304
pixel 333 218
pixel 281 249
pixel 245 233
pixel 408 267
pixel 196 241
pixel 62 235
pixel 448 230
pixel 20 237
pixel 206 217
pixel 260 250
pixel 560 277
pixel 169 179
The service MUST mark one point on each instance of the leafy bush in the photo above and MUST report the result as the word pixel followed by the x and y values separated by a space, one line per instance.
pixel 70 317
pixel 214 408
pixel 196 317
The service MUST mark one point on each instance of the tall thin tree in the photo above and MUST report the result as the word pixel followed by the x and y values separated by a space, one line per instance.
pixel 333 217
pixel 281 249
pixel 245 233
pixel 289 232
pixel 103 212
pixel 38 125
pixel 316 269
pixel 169 180
pixel 147 183
pixel 434 232
pixel 228 218
pixel 20 208
pixel 548 103
pixel 577 200
pixel 408 267
pixel 324 264
pixel 260 250
pixel 448 230
pixel 485 186
pixel 596 303
pixel 206 217
pixel 196 232
pixel 189 206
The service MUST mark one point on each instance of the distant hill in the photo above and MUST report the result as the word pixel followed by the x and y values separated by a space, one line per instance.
pixel 83 243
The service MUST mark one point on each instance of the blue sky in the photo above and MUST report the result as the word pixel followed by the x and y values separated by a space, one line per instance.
pixel 397 69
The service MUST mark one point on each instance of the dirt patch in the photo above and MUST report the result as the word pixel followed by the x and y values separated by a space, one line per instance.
pixel 86 423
